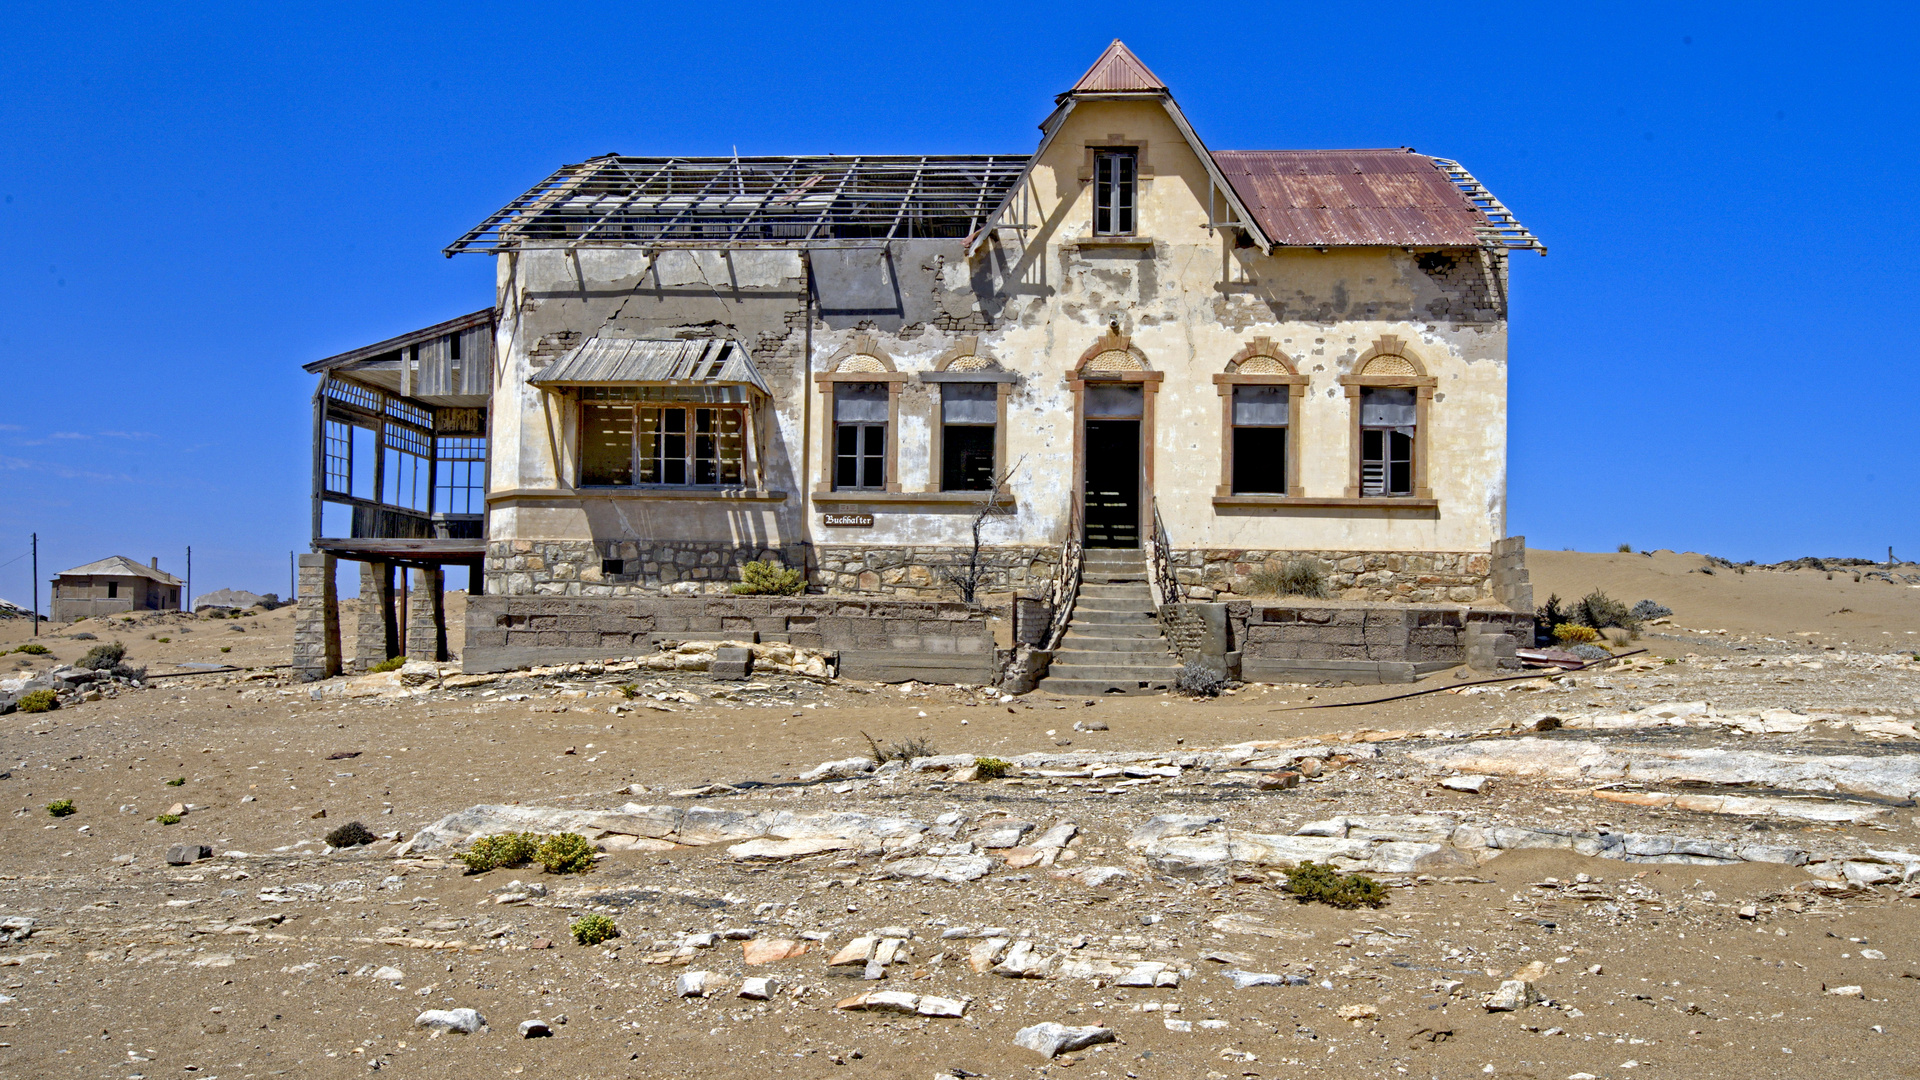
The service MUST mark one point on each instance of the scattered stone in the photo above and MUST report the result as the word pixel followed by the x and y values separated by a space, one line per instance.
pixel 535 1029
pixel 1237 923
pixel 770 950
pixel 1050 1040
pixel 186 854
pixel 697 984
pixel 845 768
pixel 1846 991
pixel 463 1021
pixel 1278 781
pixel 16 928
pixel 388 973
pixel 1474 784
pixel 1357 1012
pixel 1244 979
pixel 758 988
pixel 1512 995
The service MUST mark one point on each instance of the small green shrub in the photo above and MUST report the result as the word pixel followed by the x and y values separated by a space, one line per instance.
pixel 506 849
pixel 1625 549
pixel 769 578
pixel 1313 882
pixel 390 664
pixel 1598 610
pixel 991 768
pixel 593 929
pixel 565 853
pixel 103 657
pixel 903 752
pixel 1295 577
pixel 33 648
pixel 629 690
pixel 1572 634
pixel 60 807
pixel 226 648
pixel 163 640
pixel 352 834
pixel 38 701
pixel 178 781
pixel 168 819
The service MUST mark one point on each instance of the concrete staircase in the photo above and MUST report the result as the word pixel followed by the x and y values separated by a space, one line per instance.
pixel 1113 645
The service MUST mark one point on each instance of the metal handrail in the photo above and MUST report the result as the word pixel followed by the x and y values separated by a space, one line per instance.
pixel 1066 583
pixel 1166 587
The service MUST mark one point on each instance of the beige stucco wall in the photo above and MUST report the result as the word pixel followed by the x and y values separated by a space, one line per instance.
pixel 1189 303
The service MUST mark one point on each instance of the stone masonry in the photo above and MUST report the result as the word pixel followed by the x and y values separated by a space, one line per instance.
pixel 707 568
pixel 316 625
pixel 1409 577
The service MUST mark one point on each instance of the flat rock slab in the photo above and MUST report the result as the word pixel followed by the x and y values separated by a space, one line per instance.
pixel 1050 1040
pixel 1893 776
pixel 459 1021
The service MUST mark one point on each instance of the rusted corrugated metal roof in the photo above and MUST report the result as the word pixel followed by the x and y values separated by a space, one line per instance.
pixel 1329 198
pixel 691 361
pixel 1118 71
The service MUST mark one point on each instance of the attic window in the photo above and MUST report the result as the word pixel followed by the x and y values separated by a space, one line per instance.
pixel 1115 191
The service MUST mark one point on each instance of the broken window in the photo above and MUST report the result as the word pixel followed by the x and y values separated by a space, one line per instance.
pixel 407 475
pixel 460 474
pixel 969 422
pixel 1387 419
pixel 625 444
pixel 1114 191
pixel 1260 420
pixel 113 590
pixel 860 436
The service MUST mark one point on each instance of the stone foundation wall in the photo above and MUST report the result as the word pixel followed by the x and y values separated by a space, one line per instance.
pixel 926 572
pixel 1408 577
pixel 882 640
pixel 712 568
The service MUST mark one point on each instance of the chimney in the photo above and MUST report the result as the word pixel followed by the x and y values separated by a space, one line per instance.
pixel 155 564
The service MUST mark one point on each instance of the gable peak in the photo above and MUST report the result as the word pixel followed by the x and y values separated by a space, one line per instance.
pixel 1118 71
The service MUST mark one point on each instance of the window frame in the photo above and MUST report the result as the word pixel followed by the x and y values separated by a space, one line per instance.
pixel 1106 158
pixel 1414 377
pixel 636 464
pixel 1296 385
pixel 855 362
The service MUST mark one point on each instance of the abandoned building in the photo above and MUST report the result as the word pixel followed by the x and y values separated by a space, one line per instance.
pixel 1174 382
pixel 112 585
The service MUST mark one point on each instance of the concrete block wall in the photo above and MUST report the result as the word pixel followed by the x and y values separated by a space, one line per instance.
pixel 1510 581
pixel 881 640
pixel 1304 641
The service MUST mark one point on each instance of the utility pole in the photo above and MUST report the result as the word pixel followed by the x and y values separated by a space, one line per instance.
pixel 189 595
pixel 36 584
pixel 293 578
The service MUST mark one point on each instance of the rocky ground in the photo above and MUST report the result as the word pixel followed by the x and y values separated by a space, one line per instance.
pixel 1692 868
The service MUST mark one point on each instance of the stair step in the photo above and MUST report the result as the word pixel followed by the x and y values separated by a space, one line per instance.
pixel 1129 590
pixel 1163 671
pixel 1101 687
pixel 1127 631
pixel 1109 603
pixel 1089 620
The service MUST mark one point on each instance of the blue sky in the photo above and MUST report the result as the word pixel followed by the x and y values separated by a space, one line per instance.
pixel 199 199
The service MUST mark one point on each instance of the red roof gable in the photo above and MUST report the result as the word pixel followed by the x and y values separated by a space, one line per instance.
pixel 1118 71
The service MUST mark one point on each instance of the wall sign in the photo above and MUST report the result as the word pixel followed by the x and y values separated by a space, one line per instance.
pixel 854 520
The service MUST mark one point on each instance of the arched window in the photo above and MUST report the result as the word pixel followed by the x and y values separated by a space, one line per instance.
pixel 1389 396
pixel 968 436
pixel 860 396
pixel 1260 397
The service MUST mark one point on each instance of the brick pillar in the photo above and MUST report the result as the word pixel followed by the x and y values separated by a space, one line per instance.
pixel 378 631
pixel 427 616
pixel 316 621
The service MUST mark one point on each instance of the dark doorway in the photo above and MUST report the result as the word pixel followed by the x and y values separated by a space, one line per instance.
pixel 1113 483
